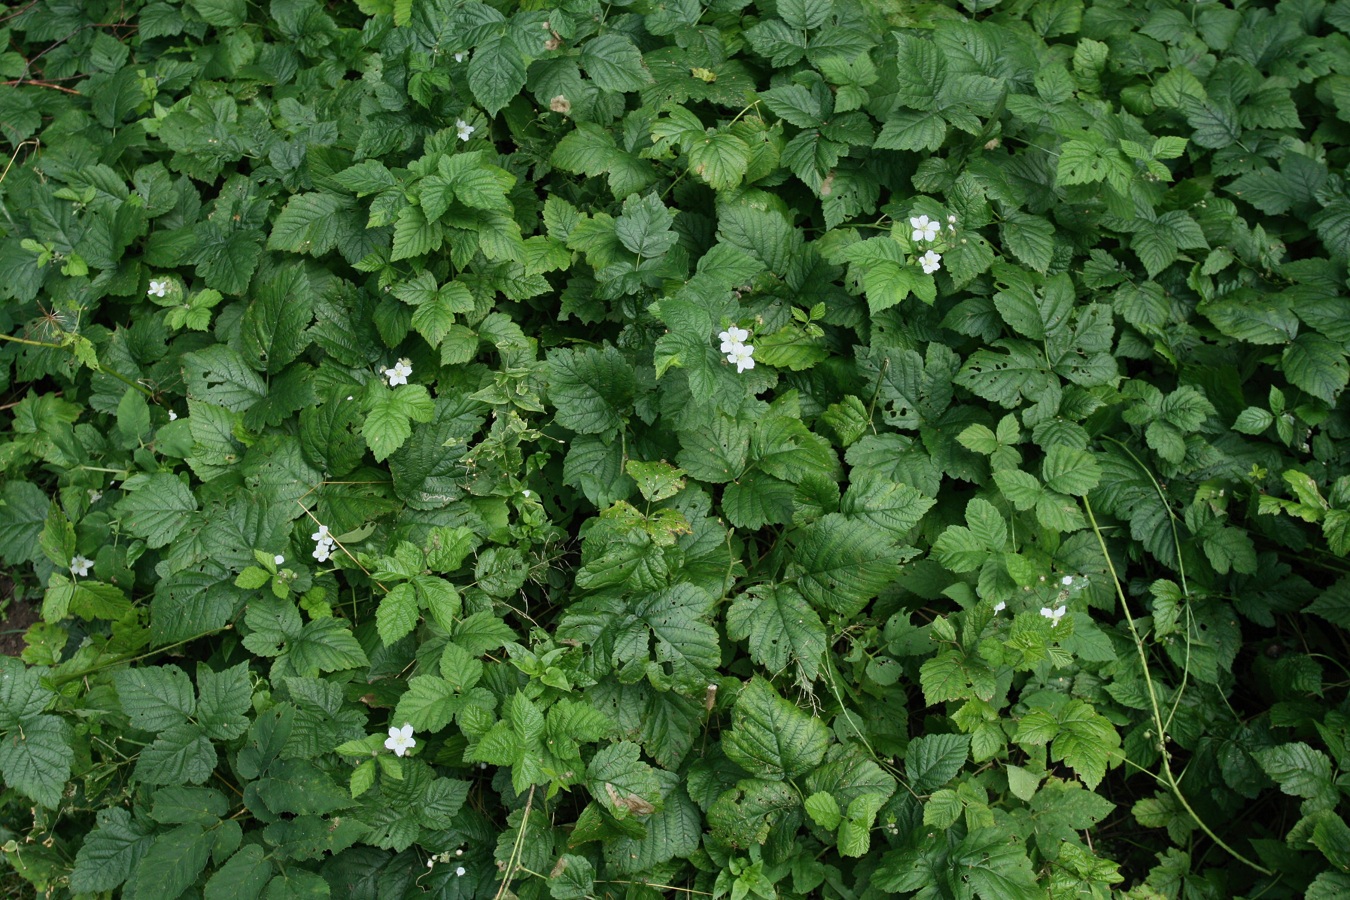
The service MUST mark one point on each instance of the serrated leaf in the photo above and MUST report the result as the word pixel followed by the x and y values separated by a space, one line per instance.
pixel 771 737
pixel 614 63
pixel 781 628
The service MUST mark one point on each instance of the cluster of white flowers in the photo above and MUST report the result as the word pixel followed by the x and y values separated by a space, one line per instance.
pixel 463 129
pixel 323 544
pixel 398 374
pixel 445 857
pixel 923 228
pixel 158 288
pixel 400 740
pixel 738 352
pixel 80 566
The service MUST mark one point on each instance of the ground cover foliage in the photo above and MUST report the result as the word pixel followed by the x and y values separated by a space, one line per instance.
pixel 401 526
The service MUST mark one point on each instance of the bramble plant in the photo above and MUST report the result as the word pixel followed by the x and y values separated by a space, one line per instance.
pixel 747 448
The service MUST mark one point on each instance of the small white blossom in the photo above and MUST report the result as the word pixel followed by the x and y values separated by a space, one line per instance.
pixel 741 356
pixel 158 288
pixel 732 338
pixel 398 374
pixel 173 416
pixel 322 534
pixel 322 551
pixel 459 871
pixel 924 228
pixel 459 57
pixel 526 493
pixel 931 262
pixel 80 566
pixel 951 220
pixel 278 559
pixel 999 607
pixel 1054 615
pixel 431 863
pixel 463 129
pixel 1066 580
pixel 400 740
pixel 459 852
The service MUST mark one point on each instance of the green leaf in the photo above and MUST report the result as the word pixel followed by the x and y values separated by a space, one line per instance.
pixel 275 322
pixel 496 72
pixel 398 613
pixel 21 520
pixel 172 863
pixel 308 224
pixel 824 810
pixel 155 697
pixel 644 227
pixel 110 852
pixel 156 508
pixel 933 760
pixel 428 704
pixel 995 867
pixel 1317 365
pixel 390 414
pixel 771 737
pixel 841 564
pixel 243 876
pixel 720 159
pixel 181 754
pixel 781 628
pixel 35 758
pixel 621 783
pixel 1298 769
pixel 223 698
pixel 571 878
pixel 1070 470
pixel 613 63
pixel 592 389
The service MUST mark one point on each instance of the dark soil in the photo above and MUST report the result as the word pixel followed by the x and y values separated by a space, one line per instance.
pixel 18 615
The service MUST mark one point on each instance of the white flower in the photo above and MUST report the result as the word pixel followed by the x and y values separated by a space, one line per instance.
pixel 732 338
pixel 459 852
pixel 526 493
pixel 158 288
pixel 1054 615
pixel 931 262
pixel 94 496
pixel 951 220
pixel 80 566
pixel 463 129
pixel 431 863
pixel 924 230
pixel 399 373
pixel 459 57
pixel 278 559
pixel 741 356
pixel 323 551
pixel 400 740
pixel 459 871
pixel 999 607
pixel 173 416
pixel 1066 580
pixel 321 535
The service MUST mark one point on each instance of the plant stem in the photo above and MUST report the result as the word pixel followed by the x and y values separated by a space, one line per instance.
pixel 1168 777
pixel 102 368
